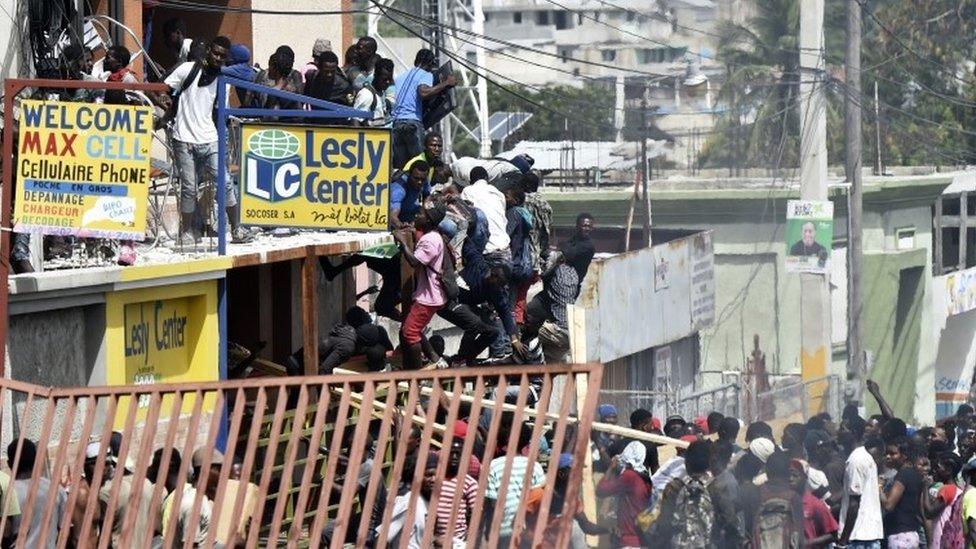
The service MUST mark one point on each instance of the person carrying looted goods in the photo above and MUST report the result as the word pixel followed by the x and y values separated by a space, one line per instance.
pixel 413 88
pixel 501 171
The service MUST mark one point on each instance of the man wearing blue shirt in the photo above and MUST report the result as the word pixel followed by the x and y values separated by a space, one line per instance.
pixel 407 193
pixel 413 88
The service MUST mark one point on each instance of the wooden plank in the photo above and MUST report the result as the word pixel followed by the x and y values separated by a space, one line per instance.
pixel 589 486
pixel 310 317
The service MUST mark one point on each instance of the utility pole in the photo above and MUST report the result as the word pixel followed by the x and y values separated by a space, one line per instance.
pixel 814 294
pixel 852 169
pixel 645 118
pixel 878 166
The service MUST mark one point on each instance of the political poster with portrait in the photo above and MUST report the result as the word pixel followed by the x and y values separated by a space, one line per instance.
pixel 809 236
pixel 315 177
pixel 83 169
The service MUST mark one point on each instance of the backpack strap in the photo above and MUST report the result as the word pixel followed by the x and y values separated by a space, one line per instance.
pixel 188 81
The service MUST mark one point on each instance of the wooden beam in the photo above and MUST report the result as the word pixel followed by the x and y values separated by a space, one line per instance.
pixel 310 317
pixel 532 412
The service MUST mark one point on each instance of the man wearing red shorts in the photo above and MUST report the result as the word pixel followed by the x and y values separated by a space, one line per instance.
pixel 427 259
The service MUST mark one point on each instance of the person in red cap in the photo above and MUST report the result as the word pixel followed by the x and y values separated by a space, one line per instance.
pixel 460 433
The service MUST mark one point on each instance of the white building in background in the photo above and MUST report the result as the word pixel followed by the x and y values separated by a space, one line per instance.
pixel 664 49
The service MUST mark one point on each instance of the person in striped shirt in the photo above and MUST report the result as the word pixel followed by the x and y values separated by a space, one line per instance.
pixel 508 503
pixel 445 504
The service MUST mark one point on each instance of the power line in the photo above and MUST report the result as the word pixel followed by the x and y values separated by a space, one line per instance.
pixel 474 69
pixel 648 39
pixel 915 117
pixel 385 9
pixel 197 6
pixel 465 64
pixel 960 156
pixel 544 90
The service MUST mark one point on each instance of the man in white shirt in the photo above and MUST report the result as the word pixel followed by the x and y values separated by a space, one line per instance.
pixel 861 524
pixel 370 98
pixel 491 201
pixel 195 139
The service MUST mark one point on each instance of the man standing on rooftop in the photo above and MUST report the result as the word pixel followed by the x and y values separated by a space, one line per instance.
pixel 413 88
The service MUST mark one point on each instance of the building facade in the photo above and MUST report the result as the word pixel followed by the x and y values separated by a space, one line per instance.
pixel 910 329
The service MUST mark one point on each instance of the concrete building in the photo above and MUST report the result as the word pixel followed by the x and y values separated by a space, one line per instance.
pixel 918 321
pixel 659 55
pixel 647 307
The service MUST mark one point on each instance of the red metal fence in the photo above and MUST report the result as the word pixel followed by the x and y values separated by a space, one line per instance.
pixel 309 461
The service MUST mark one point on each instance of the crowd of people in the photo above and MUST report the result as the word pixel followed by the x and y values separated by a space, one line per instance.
pixel 121 498
pixel 830 482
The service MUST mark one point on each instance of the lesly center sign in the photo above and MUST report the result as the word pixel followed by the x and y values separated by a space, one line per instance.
pixel 315 177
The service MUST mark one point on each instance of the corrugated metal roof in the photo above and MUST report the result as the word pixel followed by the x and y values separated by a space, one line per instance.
pixel 584 155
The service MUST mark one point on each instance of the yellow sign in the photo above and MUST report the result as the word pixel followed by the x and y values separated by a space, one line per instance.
pixel 315 177
pixel 162 335
pixel 83 169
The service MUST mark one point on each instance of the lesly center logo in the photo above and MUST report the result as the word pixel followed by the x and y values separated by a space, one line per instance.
pixel 272 165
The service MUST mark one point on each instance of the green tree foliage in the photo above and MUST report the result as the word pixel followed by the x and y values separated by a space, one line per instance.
pixel 920 59
pixel 922 62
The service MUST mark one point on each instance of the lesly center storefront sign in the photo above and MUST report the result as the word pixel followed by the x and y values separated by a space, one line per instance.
pixel 156 340
pixel 315 177
pixel 83 169
pixel 162 335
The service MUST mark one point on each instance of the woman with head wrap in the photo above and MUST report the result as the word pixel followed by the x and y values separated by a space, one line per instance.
pixel 761 448
pixel 627 480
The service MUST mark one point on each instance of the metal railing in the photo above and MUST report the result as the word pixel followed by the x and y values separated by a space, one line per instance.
pixel 659 403
pixel 314 461
pixel 800 399
pixel 724 398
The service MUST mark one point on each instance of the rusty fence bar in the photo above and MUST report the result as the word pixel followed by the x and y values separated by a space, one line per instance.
pixel 440 459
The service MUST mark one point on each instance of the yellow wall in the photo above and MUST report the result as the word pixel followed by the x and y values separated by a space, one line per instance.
pixel 166 334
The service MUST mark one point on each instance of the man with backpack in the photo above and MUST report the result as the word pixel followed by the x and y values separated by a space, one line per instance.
pixel 194 93
pixel 687 513
pixel 778 523
pixel 429 258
